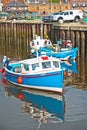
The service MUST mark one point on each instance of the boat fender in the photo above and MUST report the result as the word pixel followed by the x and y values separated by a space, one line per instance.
pixel 2 71
pixel 19 80
pixel 3 74
pixel 65 73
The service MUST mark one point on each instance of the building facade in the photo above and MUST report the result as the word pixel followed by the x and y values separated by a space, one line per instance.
pixel 47 8
pixel 1 5
pixel 43 7
pixel 8 1
pixel 15 6
pixel 79 3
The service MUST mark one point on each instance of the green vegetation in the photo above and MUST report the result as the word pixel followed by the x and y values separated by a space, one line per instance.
pixel 54 1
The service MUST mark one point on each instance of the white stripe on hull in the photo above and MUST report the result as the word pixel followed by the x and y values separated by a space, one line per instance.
pixel 39 87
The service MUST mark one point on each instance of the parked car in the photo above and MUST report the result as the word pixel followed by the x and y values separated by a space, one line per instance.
pixel 85 13
pixel 84 19
pixel 3 15
pixel 46 18
pixel 57 16
pixel 49 18
pixel 69 15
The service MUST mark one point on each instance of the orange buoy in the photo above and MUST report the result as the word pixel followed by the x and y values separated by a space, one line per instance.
pixel 19 80
pixel 0 70
pixel 3 70
pixel 3 74
pixel 65 73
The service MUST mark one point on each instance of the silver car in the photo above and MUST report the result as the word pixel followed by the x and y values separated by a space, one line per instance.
pixel 49 18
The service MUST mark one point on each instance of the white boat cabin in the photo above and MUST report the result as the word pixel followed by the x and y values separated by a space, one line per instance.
pixel 40 64
pixel 38 42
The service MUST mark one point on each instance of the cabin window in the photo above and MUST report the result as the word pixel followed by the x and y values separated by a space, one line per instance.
pixel 32 43
pixel 45 42
pixel 46 65
pixel 37 43
pixel 35 66
pixel 55 64
pixel 17 69
pixel 49 42
pixel 26 67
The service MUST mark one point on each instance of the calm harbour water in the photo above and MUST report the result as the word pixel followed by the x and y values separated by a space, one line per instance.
pixel 17 105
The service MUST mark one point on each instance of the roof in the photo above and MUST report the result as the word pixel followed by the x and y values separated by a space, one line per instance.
pixel 16 4
pixel 39 59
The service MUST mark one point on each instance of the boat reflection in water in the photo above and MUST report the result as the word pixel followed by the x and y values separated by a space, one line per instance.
pixel 42 106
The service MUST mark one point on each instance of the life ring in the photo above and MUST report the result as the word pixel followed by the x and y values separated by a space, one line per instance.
pixel 68 42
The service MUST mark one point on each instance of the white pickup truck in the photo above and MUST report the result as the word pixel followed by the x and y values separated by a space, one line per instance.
pixel 69 15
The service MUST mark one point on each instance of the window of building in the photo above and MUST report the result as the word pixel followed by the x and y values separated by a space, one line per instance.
pixel 54 7
pixel 43 12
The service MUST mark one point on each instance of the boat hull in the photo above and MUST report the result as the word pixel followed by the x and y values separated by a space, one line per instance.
pixel 52 81
pixel 63 55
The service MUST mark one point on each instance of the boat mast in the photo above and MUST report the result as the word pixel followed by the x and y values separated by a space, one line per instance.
pixel 42 30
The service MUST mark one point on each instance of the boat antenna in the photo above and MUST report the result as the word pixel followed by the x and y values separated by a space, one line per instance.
pixel 37 48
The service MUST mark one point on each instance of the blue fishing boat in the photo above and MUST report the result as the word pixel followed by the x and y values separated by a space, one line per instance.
pixel 41 105
pixel 45 47
pixel 44 73
pixel 70 53
pixel 69 66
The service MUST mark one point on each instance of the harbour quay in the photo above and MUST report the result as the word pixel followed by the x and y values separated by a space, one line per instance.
pixel 15 36
pixel 76 32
